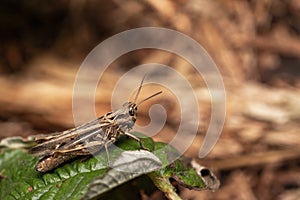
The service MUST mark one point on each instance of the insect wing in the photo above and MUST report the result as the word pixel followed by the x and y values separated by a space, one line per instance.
pixel 67 140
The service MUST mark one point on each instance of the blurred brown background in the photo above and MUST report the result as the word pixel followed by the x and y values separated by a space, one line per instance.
pixel 255 43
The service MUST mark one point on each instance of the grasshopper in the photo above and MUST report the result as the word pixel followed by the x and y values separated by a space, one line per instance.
pixel 89 138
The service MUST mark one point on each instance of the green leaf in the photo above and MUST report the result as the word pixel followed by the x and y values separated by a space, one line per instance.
pixel 20 180
pixel 90 178
pixel 188 174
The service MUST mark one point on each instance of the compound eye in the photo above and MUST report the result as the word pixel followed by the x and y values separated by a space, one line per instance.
pixel 131 112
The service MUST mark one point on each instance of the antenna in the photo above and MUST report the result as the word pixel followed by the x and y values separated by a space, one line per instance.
pixel 153 95
pixel 139 90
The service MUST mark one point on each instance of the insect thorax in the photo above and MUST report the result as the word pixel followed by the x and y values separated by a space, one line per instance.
pixel 121 120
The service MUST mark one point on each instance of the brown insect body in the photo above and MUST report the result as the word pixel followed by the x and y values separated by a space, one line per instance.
pixel 89 138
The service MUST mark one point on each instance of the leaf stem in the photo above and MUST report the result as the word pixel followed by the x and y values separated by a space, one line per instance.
pixel 163 184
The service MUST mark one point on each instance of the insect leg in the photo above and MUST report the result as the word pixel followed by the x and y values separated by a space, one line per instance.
pixel 111 141
pixel 132 136
pixel 137 139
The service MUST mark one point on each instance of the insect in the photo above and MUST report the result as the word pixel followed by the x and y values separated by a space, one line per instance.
pixel 89 138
